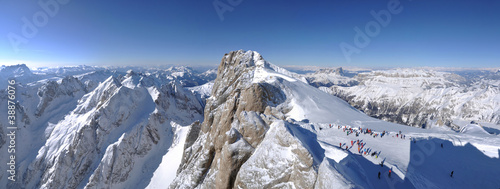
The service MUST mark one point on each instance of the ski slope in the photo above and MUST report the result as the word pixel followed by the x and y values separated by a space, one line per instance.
pixel 416 161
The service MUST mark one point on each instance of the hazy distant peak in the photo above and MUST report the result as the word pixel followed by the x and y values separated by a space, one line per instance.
pixel 15 70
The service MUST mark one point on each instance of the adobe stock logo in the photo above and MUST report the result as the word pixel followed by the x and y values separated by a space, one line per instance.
pixel 39 19
pixel 372 29
pixel 221 7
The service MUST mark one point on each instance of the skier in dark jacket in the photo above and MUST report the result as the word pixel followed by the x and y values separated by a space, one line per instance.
pixel 379 175
pixel 451 175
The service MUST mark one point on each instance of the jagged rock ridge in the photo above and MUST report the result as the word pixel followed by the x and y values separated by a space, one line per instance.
pixel 240 143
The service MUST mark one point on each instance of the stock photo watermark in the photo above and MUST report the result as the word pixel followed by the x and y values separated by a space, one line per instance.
pixel 31 25
pixel 362 38
pixel 222 7
pixel 12 128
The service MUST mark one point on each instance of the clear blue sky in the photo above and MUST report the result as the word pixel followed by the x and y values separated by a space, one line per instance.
pixel 448 33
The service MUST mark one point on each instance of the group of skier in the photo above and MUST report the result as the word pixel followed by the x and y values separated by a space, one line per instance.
pixel 357 131
pixel 400 135
pixel 361 145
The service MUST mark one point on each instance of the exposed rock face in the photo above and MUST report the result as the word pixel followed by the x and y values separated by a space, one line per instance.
pixel 238 118
pixel 268 169
pixel 220 150
pixel 69 86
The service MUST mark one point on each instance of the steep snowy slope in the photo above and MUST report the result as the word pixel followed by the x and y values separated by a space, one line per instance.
pixel 114 137
pixel 166 171
pixel 80 130
pixel 40 105
pixel 266 128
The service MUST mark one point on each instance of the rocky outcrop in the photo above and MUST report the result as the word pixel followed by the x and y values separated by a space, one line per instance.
pixel 69 86
pixel 240 116
pixel 213 160
pixel 281 161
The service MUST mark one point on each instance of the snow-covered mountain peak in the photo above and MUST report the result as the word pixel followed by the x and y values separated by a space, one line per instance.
pixel 242 57
pixel 20 72
pixel 256 107
pixel 97 98
pixel 179 69
pixel 331 71
pixel 56 90
pixel 15 70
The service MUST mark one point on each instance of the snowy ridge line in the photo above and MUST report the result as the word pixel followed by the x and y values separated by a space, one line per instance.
pixel 71 102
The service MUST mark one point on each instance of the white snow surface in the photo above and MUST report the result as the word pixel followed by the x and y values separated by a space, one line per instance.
pixel 473 129
pixel 167 170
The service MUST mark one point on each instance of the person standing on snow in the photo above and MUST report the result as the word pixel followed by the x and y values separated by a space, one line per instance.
pixel 451 175
pixel 379 175
pixel 390 171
